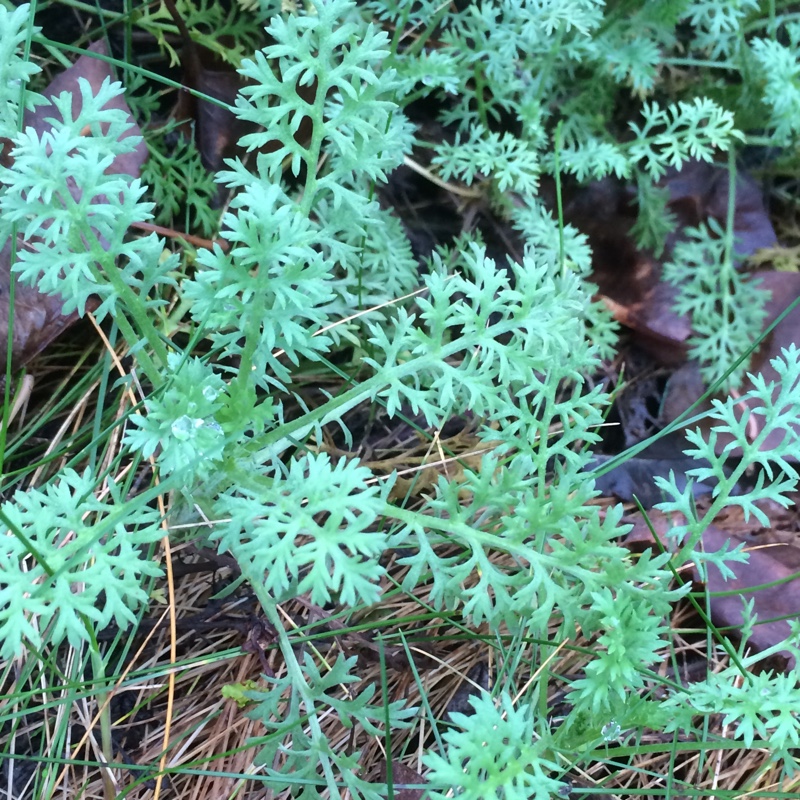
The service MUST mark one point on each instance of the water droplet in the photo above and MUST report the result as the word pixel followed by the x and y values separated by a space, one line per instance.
pixel 564 789
pixel 210 393
pixel 184 428
pixel 611 731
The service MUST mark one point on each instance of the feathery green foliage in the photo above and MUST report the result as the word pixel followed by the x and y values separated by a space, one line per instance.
pixel 515 542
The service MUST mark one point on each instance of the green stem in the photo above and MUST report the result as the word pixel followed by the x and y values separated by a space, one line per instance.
pixel 136 308
pixel 101 697
pixel 317 115
pixel 105 267
pixel 252 337
pixel 297 675
pixel 365 390
pixel 159 78
pixel 475 537
pixel 311 159
pixel 480 86
pixel 725 487
pixel 699 62
pixel 559 204
pixel 422 39
pixel 368 389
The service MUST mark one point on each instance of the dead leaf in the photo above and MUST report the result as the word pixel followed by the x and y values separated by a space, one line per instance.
pixel 37 317
pixel 216 129
pixel 629 279
pixel 783 289
pixel 771 558
pixel 95 71
pixel 635 476
pixel 701 191
pixel 402 776
pixel 766 564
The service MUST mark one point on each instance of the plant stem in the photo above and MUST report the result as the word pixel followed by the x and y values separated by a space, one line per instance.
pixel 136 308
pixel 101 697
pixel 294 669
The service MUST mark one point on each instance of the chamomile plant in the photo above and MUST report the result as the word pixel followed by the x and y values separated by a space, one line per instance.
pixel 514 543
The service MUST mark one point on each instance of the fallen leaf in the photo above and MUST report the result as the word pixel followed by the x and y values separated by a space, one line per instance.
pixel 635 477
pixel 775 562
pixel 216 129
pixel 771 558
pixel 37 317
pixel 95 71
pixel 402 777
pixel 783 289
pixel 629 279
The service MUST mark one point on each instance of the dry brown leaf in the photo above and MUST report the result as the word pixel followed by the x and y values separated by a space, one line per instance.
pixel 783 288
pixel 770 559
pixel 37 318
pixel 774 562
pixel 403 776
pixel 630 279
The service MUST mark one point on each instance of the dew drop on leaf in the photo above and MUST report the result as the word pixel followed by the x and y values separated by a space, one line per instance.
pixel 184 428
pixel 611 731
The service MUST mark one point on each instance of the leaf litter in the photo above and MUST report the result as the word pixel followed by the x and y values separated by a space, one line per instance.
pixel 630 279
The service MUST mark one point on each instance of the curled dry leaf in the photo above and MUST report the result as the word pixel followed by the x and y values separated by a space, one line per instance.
pixel 37 317
pixel 774 562
pixel 403 778
pixel 629 279
pixel 771 558
pixel 783 289
pixel 217 130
